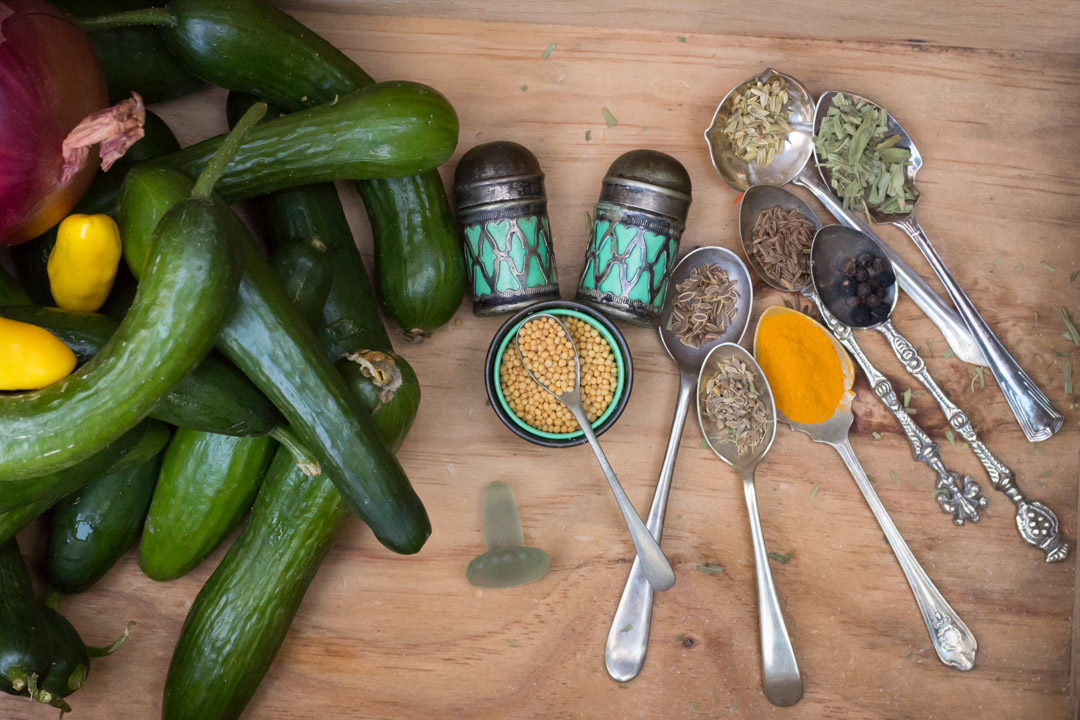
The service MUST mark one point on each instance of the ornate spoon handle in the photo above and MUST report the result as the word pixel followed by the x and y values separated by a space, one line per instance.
pixel 1037 524
pixel 954 643
pixel 961 495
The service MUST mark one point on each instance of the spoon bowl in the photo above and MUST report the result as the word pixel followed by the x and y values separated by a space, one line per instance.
pixel 722 443
pixel 789 162
pixel 762 197
pixel 832 246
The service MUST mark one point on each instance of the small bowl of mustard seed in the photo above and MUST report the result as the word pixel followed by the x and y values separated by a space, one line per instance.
pixel 533 413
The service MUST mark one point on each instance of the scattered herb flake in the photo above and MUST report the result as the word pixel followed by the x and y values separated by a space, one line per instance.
pixel 910 655
pixel 681 39
pixel 997 260
pixel 911 411
pixel 734 704
pixel 488 403
pixel 524 88
pixel 894 477
pixel 978 377
pixel 948 352
pixel 963 446
pixel 782 558
pixel 1038 358
pixel 907 397
pixel 1036 317
pixel 886 539
pixel 1075 274
pixel 710 569
pixel 1068 378
pixel 939 491
pixel 644 128
pixel 547 51
pixel 1046 473
pixel 695 704
pixel 512 643
pixel 814 491
pixel 951 437
pixel 588 135
pixel 1048 266
pixel 1072 333
pixel 1039 449
pixel 624 686
pixel 877 435
pixel 609 118
pixel 871 479
pixel 626 628
pixel 1019 269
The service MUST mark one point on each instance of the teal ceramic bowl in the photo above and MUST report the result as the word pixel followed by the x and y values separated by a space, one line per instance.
pixel 503 343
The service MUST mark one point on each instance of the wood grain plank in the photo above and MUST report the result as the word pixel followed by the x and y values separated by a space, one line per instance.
pixel 381 636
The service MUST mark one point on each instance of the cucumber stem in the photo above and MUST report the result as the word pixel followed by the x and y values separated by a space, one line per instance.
pixel 52 599
pixel 304 460
pixel 112 647
pixel 128 18
pixel 224 155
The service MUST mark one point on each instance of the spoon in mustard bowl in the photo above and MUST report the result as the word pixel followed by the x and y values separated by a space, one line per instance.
pixel 726 367
pixel 952 640
pixel 1037 416
pixel 566 388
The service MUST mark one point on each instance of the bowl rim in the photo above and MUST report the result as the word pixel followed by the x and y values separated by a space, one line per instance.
pixel 607 330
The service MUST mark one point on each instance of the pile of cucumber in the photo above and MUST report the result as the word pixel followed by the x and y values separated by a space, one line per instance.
pixel 228 373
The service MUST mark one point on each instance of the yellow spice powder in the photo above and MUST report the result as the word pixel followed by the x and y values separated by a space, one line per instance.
pixel 802 366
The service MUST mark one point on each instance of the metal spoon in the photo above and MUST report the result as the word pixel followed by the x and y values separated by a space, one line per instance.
pixel 657 569
pixel 628 637
pixel 960 496
pixel 1037 416
pixel 779 671
pixel 832 246
pixel 793 165
pixel 954 643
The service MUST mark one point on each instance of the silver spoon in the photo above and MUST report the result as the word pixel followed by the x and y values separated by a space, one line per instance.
pixel 628 637
pixel 793 165
pixel 657 569
pixel 779 671
pixel 1037 416
pixel 832 246
pixel 960 496
pixel 953 642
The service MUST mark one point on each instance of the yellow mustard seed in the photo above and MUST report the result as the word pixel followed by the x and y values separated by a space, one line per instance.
pixel 551 357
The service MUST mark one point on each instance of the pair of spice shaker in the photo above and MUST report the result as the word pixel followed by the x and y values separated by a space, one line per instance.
pixel 636 228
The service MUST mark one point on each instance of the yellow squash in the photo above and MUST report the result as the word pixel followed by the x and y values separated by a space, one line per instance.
pixel 31 357
pixel 82 265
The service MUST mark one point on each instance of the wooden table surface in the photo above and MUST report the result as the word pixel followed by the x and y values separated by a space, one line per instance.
pixel 991 93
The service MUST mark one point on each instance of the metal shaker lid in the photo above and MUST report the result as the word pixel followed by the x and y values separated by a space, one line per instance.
pixel 497 172
pixel 649 180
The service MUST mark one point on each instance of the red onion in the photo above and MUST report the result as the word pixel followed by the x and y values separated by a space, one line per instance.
pixel 50 81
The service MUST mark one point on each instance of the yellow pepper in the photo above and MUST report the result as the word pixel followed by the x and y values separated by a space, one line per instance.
pixel 31 357
pixel 82 265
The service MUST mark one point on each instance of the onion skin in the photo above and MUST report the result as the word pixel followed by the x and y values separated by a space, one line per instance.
pixel 49 81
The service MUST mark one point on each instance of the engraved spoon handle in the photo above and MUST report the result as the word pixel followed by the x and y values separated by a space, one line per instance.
pixel 1001 477
pixel 961 497
pixel 1037 416
pixel 779 670
pixel 954 643
pixel 939 311
pixel 657 569
pixel 628 638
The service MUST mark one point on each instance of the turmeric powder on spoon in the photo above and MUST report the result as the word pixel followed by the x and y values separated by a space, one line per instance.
pixel 802 365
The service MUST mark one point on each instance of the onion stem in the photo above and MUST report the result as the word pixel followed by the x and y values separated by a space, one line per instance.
pixel 128 18
pixel 224 155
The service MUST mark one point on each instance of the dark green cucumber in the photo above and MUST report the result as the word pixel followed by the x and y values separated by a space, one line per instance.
pixel 240 617
pixel 385 130
pixel 266 338
pixel 303 268
pixel 69 660
pixel 207 482
pixel 93 527
pixel 24 643
pixel 30 258
pixel 418 262
pixel 135 58
pixel 185 290
pixel 11 292
pixel 214 397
